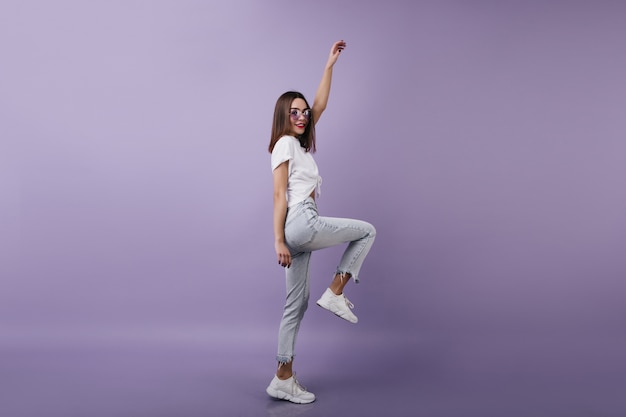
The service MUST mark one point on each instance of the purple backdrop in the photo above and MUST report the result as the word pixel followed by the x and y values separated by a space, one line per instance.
pixel 485 140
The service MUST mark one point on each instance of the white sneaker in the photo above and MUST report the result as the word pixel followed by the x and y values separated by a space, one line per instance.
pixel 338 304
pixel 289 389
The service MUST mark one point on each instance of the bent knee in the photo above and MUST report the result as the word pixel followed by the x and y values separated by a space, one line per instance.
pixel 372 230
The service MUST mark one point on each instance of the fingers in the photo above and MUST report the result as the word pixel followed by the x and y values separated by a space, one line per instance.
pixel 284 259
pixel 339 46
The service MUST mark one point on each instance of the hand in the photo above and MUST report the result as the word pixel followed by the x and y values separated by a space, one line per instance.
pixel 335 51
pixel 283 254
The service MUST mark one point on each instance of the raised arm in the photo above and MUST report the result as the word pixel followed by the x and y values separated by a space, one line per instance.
pixel 323 91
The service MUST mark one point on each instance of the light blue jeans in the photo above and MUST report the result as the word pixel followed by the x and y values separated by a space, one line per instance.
pixel 305 232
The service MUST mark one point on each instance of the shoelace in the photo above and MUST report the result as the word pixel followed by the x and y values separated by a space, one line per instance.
pixel 297 383
pixel 348 303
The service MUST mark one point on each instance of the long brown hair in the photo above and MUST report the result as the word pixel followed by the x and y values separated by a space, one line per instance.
pixel 282 126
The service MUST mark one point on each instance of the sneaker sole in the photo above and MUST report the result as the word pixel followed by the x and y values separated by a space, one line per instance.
pixel 280 395
pixel 325 307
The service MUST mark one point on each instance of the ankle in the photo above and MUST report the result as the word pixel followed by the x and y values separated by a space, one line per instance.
pixel 284 375
pixel 337 290
pixel 340 280
pixel 284 371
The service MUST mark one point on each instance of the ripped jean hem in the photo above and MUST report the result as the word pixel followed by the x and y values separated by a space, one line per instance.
pixel 283 360
pixel 342 275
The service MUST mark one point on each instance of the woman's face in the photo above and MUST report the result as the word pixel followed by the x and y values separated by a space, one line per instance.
pixel 299 116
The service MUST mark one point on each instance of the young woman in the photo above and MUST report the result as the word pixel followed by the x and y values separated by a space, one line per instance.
pixel 299 230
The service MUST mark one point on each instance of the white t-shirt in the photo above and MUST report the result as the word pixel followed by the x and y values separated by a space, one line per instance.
pixel 303 173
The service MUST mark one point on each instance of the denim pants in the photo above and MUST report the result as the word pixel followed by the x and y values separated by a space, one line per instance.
pixel 305 232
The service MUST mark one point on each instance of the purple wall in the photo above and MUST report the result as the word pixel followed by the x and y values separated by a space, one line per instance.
pixel 484 140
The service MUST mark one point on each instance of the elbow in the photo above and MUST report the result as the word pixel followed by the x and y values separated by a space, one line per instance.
pixel 280 197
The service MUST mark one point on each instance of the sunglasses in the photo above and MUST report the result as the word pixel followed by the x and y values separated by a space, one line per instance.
pixel 296 113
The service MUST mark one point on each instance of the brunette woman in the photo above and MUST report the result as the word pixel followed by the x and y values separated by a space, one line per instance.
pixel 300 230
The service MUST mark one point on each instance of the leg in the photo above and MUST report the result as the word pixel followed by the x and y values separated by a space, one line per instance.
pixel 284 385
pixel 307 231
pixel 360 235
pixel 332 231
pixel 296 304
